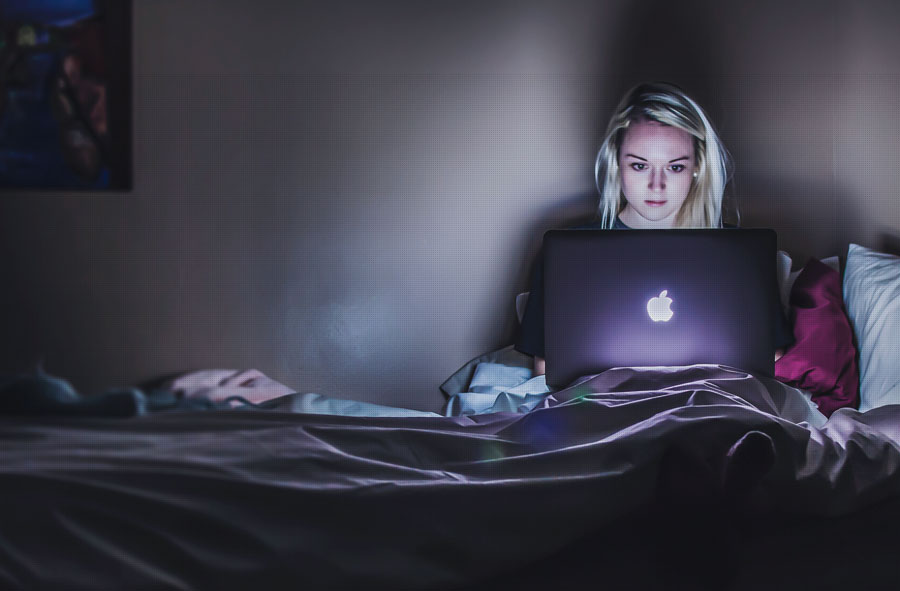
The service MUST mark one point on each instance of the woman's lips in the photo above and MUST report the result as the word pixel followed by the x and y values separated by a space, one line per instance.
pixel 654 203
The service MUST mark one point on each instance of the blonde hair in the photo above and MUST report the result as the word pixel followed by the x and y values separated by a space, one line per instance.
pixel 667 104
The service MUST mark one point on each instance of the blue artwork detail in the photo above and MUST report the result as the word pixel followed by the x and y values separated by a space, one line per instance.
pixel 53 91
pixel 45 12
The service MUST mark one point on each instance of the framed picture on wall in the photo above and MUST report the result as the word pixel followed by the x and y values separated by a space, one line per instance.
pixel 65 94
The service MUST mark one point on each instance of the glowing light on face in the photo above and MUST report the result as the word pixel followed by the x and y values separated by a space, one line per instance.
pixel 656 164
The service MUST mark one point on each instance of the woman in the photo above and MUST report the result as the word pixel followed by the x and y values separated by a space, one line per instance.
pixel 661 165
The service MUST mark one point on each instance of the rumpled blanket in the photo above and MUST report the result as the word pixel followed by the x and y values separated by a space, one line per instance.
pixel 225 499
pixel 220 384
pixel 265 393
pixel 498 388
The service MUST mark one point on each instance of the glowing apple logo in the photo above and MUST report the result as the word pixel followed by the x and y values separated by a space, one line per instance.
pixel 658 307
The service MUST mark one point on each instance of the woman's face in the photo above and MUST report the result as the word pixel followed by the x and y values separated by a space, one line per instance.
pixel 656 163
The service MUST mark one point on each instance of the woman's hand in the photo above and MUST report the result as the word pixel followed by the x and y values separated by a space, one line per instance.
pixel 778 354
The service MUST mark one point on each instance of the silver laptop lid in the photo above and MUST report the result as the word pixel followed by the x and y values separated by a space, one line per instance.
pixel 617 298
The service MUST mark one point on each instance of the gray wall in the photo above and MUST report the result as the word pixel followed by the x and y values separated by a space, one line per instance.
pixel 348 198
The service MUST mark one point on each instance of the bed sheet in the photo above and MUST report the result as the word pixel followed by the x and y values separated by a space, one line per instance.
pixel 228 499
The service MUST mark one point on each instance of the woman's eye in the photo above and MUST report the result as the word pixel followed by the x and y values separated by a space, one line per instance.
pixel 637 166
pixel 677 167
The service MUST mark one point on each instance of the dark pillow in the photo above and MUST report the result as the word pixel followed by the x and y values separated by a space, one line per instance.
pixel 822 359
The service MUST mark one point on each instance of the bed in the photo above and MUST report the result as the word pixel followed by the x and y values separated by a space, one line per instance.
pixel 537 488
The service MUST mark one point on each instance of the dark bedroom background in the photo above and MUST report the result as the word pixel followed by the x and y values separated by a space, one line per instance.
pixel 348 196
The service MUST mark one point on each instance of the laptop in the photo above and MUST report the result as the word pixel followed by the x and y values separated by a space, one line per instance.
pixel 616 298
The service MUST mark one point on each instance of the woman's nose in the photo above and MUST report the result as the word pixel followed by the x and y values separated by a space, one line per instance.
pixel 658 180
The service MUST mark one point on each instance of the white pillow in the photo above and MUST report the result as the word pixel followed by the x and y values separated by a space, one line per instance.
pixel 872 298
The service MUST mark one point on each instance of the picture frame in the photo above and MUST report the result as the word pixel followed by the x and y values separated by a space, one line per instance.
pixel 65 94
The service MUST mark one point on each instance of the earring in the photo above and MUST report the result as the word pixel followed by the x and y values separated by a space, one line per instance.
pixel 695 175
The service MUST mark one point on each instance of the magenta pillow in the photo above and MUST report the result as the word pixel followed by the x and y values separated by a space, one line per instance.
pixel 822 359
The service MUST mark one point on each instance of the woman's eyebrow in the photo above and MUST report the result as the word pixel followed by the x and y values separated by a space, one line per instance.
pixel 645 160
